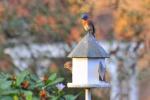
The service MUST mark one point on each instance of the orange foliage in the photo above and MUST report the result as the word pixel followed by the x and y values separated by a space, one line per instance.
pixel 146 37
pixel 14 2
pixel 123 29
pixel 2 9
pixel 47 1
pixel 25 84
pixel 5 64
pixel 22 12
pixel 121 24
pixel 144 62
pixel 53 67
pixel 74 9
pixel 75 34
pixel 51 22
pixel 40 20
pixel 51 4
pixel 24 2
pixel 124 35
pixel 43 93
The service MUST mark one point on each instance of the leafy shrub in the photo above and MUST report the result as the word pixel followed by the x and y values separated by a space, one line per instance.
pixel 26 86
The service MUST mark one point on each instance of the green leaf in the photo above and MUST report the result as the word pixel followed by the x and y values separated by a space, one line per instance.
pixel 4 84
pixel 4 75
pixel 15 97
pixel 54 98
pixel 38 84
pixel 28 95
pixel 70 97
pixel 9 92
pixel 35 98
pixel 55 81
pixel 5 98
pixel 52 77
pixel 21 77
pixel 34 78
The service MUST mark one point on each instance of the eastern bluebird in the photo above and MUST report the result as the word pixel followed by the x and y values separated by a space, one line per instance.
pixel 87 24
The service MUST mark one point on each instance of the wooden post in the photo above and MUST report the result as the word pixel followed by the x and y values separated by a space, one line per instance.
pixel 88 94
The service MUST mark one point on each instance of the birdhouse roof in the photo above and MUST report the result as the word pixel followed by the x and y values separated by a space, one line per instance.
pixel 88 48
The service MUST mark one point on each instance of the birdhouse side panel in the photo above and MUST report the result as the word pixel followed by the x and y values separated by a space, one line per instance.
pixel 93 73
pixel 80 71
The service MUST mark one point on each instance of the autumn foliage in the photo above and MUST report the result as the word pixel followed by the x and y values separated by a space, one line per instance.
pixel 53 21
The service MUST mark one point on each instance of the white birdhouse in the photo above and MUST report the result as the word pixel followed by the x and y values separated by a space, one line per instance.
pixel 88 64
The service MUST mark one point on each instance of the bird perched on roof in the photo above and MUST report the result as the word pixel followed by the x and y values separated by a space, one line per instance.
pixel 88 24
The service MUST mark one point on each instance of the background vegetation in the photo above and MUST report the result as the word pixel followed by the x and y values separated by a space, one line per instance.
pixel 38 34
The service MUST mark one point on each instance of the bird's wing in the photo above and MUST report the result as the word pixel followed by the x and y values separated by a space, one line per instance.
pixel 92 26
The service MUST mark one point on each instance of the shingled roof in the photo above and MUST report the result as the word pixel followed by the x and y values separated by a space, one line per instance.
pixel 88 48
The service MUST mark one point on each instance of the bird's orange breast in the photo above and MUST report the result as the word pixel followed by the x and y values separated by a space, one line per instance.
pixel 85 24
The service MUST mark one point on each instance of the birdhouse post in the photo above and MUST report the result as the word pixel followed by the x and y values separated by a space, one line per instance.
pixel 88 65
